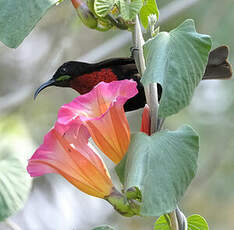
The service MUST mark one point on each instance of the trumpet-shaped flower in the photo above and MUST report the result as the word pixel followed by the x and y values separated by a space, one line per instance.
pixel 65 151
pixel 101 111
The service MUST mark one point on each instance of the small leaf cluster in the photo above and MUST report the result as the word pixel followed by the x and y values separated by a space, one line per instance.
pixel 195 222
pixel 18 18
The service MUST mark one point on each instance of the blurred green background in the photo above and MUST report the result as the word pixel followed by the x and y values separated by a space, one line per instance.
pixel 60 37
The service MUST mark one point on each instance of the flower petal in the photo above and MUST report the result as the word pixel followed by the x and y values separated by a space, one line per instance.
pixel 95 103
pixel 102 112
pixel 111 133
pixel 67 153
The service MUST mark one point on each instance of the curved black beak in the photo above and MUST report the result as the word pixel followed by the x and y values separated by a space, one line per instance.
pixel 43 86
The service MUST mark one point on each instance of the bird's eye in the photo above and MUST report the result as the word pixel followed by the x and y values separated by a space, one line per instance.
pixel 63 70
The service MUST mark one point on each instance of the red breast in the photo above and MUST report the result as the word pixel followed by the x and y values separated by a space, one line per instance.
pixel 84 83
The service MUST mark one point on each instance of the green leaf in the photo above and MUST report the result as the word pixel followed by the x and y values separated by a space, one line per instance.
pixel 197 222
pixel 176 60
pixel 103 7
pixel 162 223
pixel 149 7
pixel 15 183
pixel 161 166
pixel 128 10
pixel 103 228
pixel 18 17
pixel 120 169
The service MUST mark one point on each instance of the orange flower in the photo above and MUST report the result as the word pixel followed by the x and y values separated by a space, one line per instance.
pixel 101 111
pixel 65 151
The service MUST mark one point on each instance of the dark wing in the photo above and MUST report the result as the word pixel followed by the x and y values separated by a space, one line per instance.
pixel 115 62
pixel 218 66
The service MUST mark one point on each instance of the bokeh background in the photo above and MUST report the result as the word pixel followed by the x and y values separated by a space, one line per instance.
pixel 53 202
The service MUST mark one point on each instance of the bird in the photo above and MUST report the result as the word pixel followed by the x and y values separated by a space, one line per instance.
pixel 82 76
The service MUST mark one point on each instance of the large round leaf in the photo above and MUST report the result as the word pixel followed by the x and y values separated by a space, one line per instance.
pixel 177 60
pixel 161 166
pixel 18 17
pixel 15 183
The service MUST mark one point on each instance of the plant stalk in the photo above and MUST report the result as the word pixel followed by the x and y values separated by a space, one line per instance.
pixel 151 93
pixel 153 105
pixel 174 222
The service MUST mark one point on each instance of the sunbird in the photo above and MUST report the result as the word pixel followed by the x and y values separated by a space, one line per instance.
pixel 82 76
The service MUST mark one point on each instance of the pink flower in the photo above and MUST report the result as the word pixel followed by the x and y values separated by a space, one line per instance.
pixel 65 151
pixel 101 111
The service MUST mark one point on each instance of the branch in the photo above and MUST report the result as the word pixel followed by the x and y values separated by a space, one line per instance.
pixel 178 220
pixel 151 91
pixel 153 105
pixel 174 222
pixel 151 95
